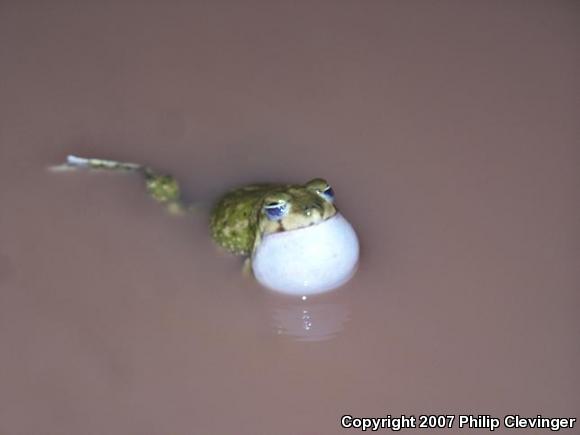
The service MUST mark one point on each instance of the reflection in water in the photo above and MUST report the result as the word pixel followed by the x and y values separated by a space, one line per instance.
pixel 312 318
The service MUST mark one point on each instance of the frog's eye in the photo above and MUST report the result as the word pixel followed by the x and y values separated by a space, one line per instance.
pixel 276 210
pixel 327 194
pixel 322 188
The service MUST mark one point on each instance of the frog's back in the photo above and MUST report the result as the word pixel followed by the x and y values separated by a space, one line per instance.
pixel 234 218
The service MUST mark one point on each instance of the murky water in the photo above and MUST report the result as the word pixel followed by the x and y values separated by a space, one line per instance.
pixel 449 131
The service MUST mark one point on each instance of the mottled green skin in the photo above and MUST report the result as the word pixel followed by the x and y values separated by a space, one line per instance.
pixel 238 221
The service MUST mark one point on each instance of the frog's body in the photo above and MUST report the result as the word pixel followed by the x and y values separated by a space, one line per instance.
pixel 240 218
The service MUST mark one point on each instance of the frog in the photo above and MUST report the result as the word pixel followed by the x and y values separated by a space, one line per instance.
pixel 242 217
pixel 292 237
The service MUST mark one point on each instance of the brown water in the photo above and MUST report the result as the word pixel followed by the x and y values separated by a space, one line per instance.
pixel 449 131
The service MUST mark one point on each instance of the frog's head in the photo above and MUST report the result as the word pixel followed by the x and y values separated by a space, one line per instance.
pixel 304 245
pixel 295 207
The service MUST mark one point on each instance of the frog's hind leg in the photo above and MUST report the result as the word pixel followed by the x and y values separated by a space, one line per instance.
pixel 81 162
pixel 162 188
pixel 74 162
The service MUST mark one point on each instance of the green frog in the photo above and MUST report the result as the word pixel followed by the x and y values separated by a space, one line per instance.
pixel 242 217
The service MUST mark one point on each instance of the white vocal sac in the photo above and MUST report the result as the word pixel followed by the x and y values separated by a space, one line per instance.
pixel 308 260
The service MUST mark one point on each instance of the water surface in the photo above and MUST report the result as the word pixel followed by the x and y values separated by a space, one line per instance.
pixel 449 132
